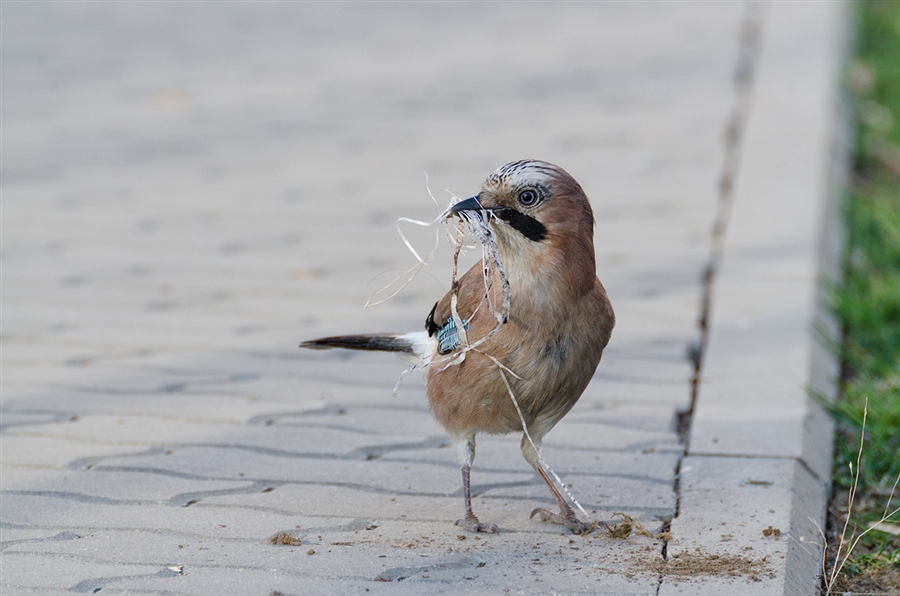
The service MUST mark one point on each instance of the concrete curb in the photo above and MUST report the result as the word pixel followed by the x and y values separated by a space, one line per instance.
pixel 754 483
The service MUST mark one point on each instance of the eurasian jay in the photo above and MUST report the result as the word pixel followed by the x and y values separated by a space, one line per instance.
pixel 539 356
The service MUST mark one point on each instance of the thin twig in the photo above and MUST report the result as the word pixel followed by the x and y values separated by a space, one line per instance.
pixel 839 562
pixel 845 550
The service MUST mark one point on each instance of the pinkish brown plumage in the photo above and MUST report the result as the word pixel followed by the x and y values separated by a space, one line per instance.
pixel 559 322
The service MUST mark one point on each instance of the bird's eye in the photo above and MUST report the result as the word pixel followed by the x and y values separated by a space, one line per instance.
pixel 528 197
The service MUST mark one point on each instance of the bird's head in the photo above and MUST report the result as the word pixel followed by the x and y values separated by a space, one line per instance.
pixel 538 212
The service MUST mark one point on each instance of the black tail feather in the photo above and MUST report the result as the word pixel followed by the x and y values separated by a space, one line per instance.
pixel 376 343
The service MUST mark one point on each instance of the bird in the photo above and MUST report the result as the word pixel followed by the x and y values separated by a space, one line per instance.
pixel 523 366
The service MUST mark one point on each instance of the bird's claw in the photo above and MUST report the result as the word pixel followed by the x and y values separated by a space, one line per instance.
pixel 471 523
pixel 567 519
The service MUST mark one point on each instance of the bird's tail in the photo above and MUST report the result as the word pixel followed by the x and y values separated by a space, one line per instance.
pixel 374 343
pixel 416 348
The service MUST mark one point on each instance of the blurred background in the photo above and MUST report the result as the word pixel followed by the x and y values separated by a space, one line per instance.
pixel 268 145
pixel 191 189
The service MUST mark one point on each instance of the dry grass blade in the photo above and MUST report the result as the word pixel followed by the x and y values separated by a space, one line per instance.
pixel 846 546
pixel 412 272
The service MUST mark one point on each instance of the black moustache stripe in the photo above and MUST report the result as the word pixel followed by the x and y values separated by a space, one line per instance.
pixel 524 224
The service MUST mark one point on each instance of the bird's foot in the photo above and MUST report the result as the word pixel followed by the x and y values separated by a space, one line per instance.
pixel 565 518
pixel 471 523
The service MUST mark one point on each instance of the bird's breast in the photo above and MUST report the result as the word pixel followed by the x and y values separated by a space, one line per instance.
pixel 540 359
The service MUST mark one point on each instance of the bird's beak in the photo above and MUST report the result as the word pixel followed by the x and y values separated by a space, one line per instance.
pixel 470 204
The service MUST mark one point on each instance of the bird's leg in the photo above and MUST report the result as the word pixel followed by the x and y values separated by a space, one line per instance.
pixel 470 521
pixel 566 517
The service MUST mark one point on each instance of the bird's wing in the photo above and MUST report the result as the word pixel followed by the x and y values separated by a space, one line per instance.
pixel 472 307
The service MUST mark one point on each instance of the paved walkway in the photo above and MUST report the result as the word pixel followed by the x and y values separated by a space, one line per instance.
pixel 189 190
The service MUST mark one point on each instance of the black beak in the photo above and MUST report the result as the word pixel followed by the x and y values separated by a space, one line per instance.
pixel 470 204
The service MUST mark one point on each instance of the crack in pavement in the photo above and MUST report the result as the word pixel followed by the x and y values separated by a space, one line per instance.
pixel 744 77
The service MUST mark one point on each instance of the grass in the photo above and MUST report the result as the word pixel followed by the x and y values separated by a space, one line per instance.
pixel 867 450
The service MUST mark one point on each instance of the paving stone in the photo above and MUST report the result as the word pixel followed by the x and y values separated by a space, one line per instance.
pixel 754 415
pixel 747 512
pixel 190 192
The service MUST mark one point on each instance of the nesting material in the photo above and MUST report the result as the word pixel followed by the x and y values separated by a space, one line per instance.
pixel 476 223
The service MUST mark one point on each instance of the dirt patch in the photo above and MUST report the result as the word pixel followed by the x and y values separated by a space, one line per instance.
pixel 285 539
pixel 684 565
